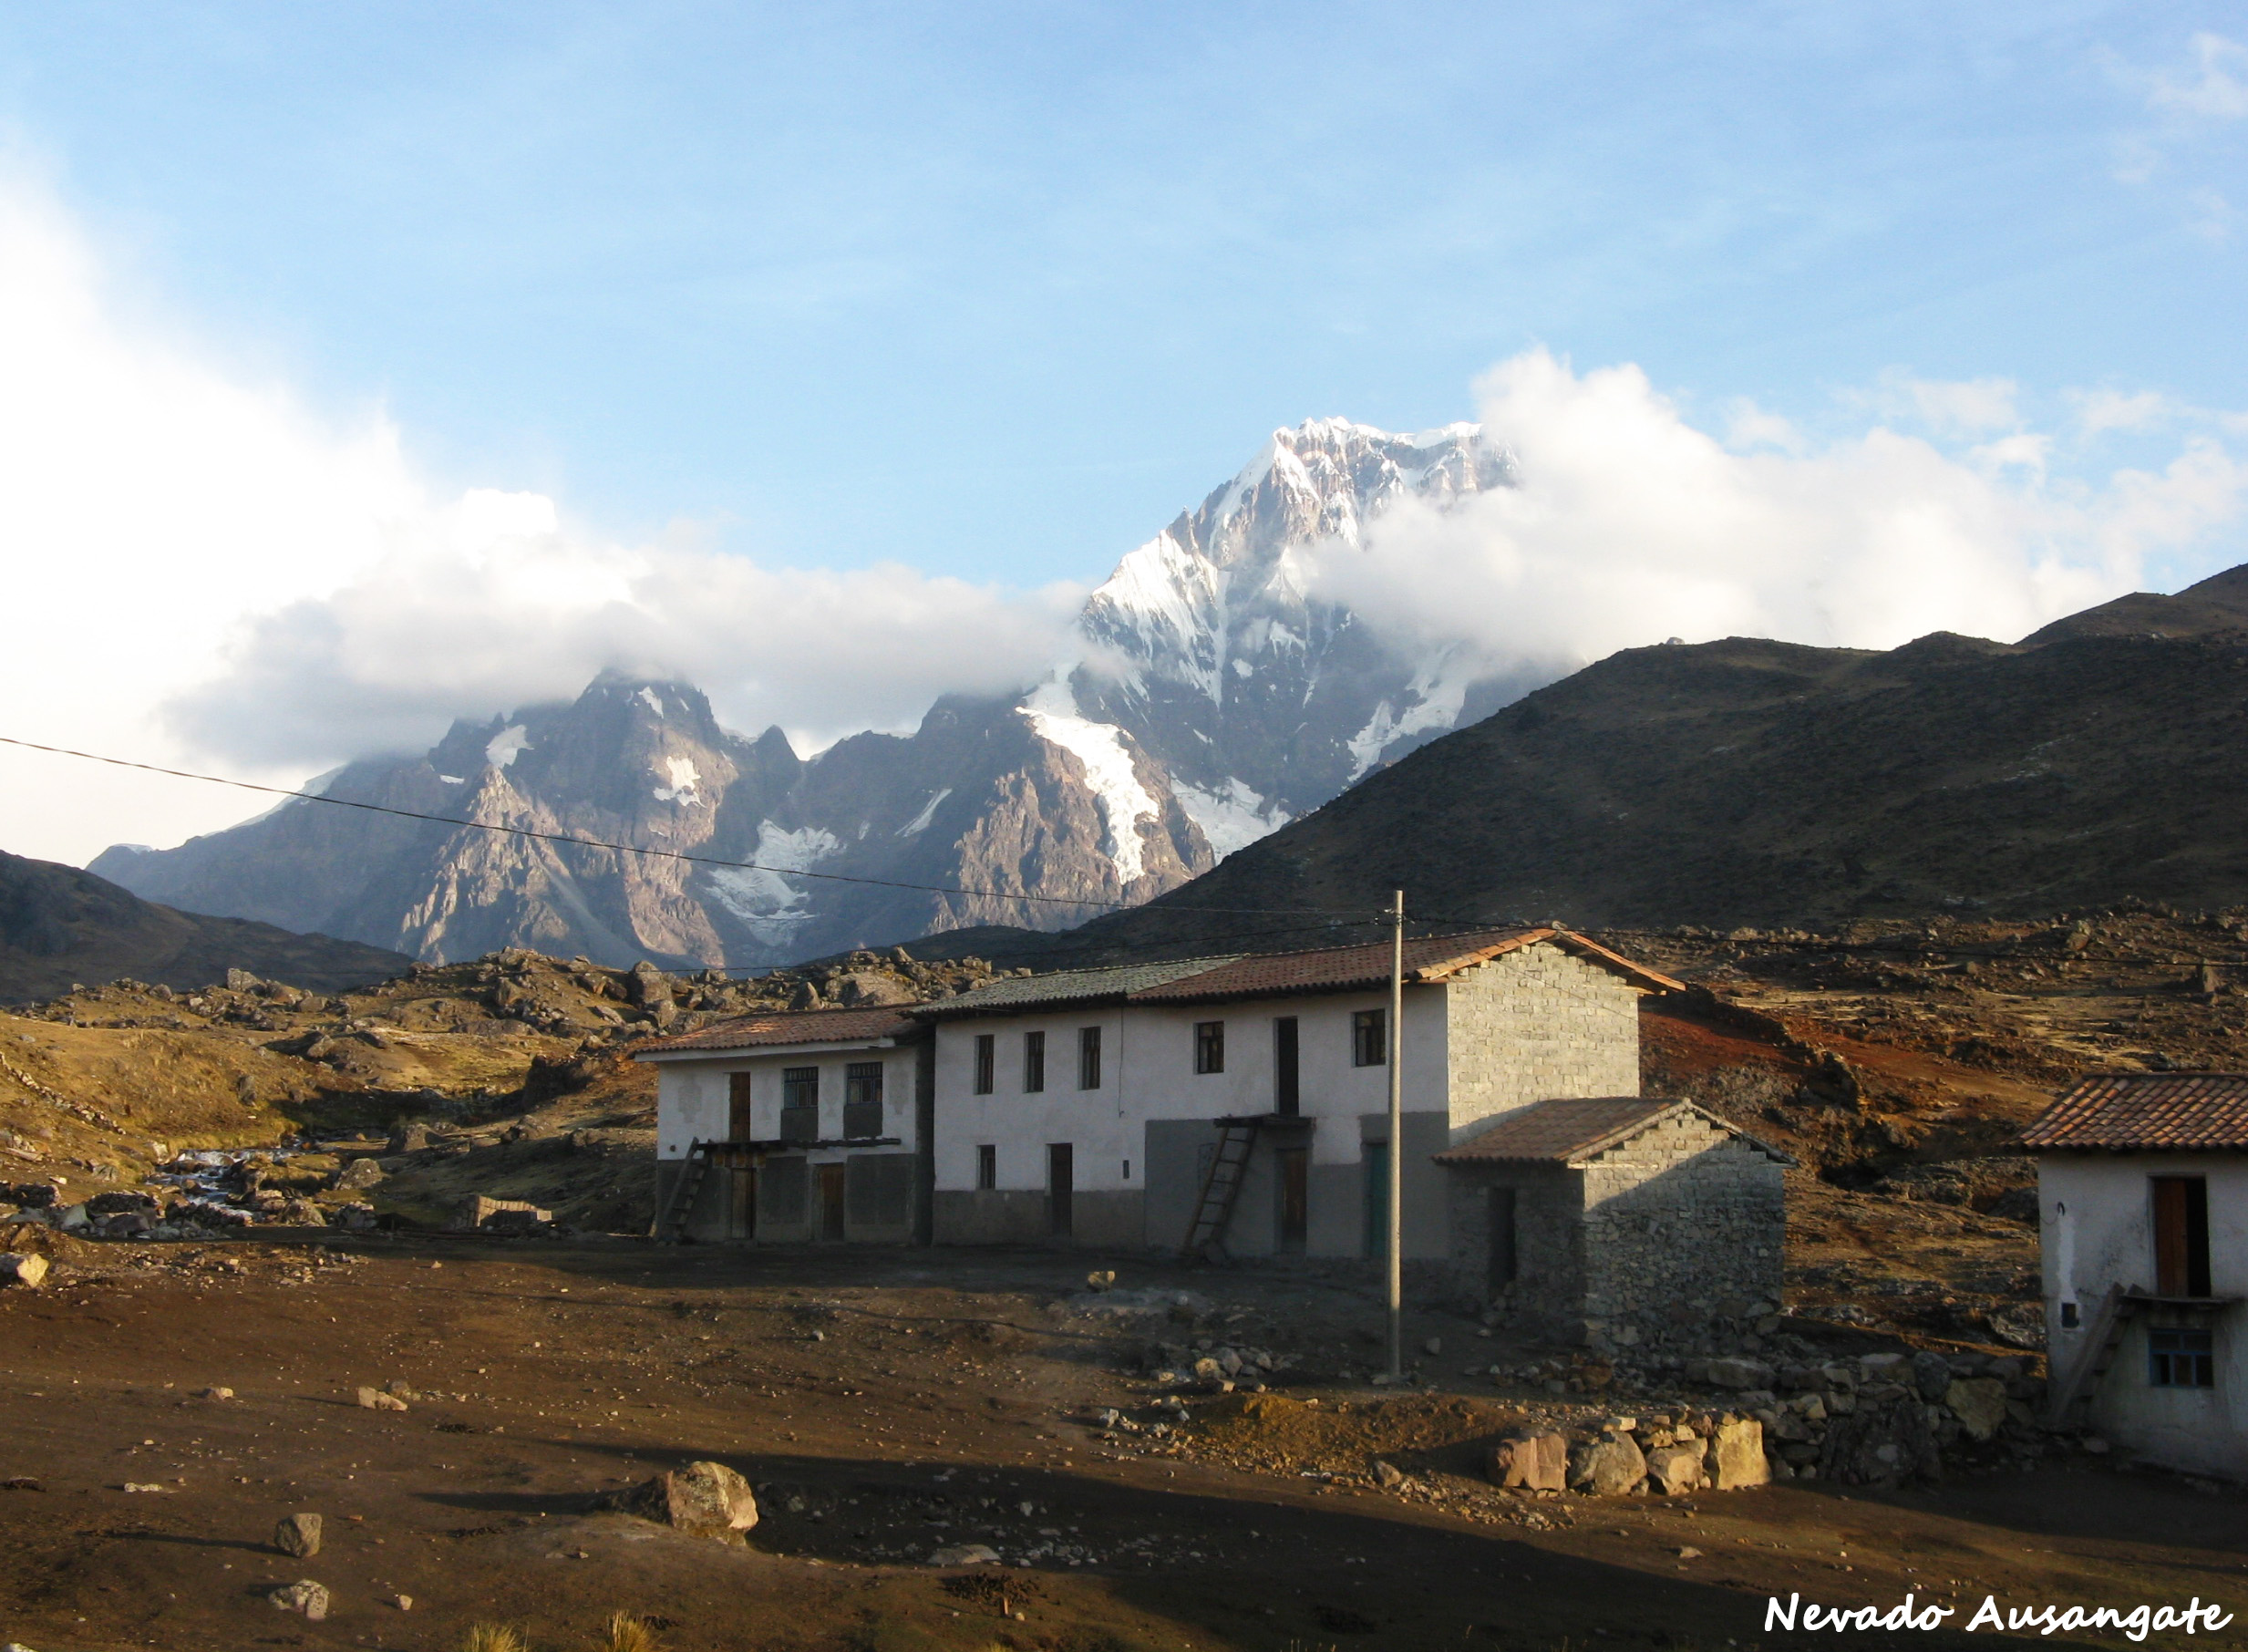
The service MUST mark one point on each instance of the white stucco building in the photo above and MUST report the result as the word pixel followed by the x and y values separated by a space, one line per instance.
pixel 2142 1183
pixel 1238 1101
pixel 794 1126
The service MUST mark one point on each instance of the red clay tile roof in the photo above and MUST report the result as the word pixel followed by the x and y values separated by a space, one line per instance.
pixel 790 1026
pixel 1571 1130
pixel 2151 1110
pixel 1352 968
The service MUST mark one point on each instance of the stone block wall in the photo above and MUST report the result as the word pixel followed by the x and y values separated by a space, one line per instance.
pixel 1533 1025
pixel 1682 1224
pixel 1548 1292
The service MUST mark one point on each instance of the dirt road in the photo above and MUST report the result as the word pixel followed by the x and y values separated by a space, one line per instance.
pixel 885 1405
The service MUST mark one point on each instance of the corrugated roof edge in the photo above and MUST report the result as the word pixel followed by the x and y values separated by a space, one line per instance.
pixel 852 1024
pixel 1033 992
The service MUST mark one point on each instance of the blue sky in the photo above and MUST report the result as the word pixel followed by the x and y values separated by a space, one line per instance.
pixel 995 289
pixel 379 365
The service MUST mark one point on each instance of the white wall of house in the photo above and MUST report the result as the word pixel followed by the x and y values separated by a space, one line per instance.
pixel 1147 1072
pixel 693 1090
pixel 2096 1217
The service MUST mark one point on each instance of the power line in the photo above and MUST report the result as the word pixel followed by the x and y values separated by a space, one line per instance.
pixel 674 854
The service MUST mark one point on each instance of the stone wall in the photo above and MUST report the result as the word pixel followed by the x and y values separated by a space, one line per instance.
pixel 1533 1025
pixel 1548 1291
pixel 1682 1224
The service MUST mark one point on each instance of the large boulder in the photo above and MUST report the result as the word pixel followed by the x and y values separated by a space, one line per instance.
pixel 1733 1457
pixel 703 1500
pixel 1673 1469
pixel 1606 1467
pixel 1979 1403
pixel 1884 1443
pixel 1531 1463
pixel 298 1535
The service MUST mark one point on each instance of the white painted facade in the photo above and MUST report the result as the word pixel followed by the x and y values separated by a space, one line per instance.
pixel 2097 1231
pixel 1147 1072
pixel 695 1087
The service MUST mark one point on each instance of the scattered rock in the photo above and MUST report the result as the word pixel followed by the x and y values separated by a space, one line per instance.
pixel 404 1602
pixel 1881 1443
pixel 359 1174
pixel 302 1595
pixel 1729 1373
pixel 216 1394
pixel 1534 1462
pixel 1688 1552
pixel 703 1499
pixel 18 1268
pixel 1388 1475
pixel 965 1555
pixel 298 1535
pixel 375 1400
pixel 1435 1345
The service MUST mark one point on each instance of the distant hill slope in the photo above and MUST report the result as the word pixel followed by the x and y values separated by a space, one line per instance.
pixel 59 925
pixel 1757 783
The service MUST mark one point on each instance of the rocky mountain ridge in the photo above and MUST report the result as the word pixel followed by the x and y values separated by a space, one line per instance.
pixel 1747 782
pixel 1212 696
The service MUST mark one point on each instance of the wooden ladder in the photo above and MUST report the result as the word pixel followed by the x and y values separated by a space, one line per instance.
pixel 2117 1310
pixel 1222 1187
pixel 673 1225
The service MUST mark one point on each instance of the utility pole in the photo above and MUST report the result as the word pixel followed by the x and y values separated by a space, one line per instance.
pixel 1396 1143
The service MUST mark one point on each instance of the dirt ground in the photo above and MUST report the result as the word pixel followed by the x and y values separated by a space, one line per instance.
pixel 886 1404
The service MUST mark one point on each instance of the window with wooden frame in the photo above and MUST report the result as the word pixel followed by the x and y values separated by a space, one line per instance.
pixel 987 1061
pixel 988 1166
pixel 2180 1357
pixel 1034 1062
pixel 2181 1236
pixel 799 1104
pixel 1089 1058
pixel 1208 1047
pixel 1369 1038
pixel 862 1099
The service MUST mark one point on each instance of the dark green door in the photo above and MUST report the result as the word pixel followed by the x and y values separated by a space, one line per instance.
pixel 1374 1156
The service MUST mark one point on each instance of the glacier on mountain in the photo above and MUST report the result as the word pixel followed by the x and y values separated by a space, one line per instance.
pixel 1124 801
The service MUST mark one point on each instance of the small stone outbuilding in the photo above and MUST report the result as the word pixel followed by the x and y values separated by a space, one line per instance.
pixel 1617 1220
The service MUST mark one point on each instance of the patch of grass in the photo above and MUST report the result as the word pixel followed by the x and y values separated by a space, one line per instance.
pixel 494 1637
pixel 630 1634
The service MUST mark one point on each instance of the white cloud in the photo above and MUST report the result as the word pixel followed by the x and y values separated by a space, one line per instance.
pixel 1971 407
pixel 1631 525
pixel 2100 411
pixel 2214 89
pixel 204 571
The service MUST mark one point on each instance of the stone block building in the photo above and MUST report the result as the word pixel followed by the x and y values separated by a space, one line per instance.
pixel 1617 1218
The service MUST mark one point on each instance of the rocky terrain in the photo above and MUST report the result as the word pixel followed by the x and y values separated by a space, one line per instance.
pixel 247 1184
pixel 59 927
pixel 1745 782
pixel 1209 695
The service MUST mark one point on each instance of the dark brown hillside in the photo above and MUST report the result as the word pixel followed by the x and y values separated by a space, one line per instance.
pixel 59 925
pixel 1752 782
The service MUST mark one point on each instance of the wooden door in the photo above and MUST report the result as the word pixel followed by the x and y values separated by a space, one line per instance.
pixel 1295 1164
pixel 1061 1177
pixel 2180 1236
pixel 738 1127
pixel 1501 1216
pixel 830 1201
pixel 742 1208
pixel 1288 1087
